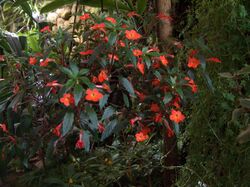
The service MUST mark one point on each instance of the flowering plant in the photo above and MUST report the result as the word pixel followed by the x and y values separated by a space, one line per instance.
pixel 111 81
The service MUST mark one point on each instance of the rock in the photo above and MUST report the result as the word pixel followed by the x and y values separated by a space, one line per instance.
pixel 64 13
pixel 52 17
pixel 71 19
pixel 60 22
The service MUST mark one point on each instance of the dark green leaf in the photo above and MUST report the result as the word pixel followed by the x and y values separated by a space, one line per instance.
pixel 67 123
pixel 55 4
pixel 141 6
pixel 103 101
pixel 108 112
pixel 86 139
pixel 74 69
pixel 93 117
pixel 167 98
pixel 125 99
pixel 109 129
pixel 127 85
pixel 83 71
pixel 112 38
pixel 78 90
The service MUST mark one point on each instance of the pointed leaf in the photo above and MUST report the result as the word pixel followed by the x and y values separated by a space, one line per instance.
pixel 127 85
pixel 67 123
pixel 78 90
pixel 109 129
pixel 103 101
pixel 108 112
pixel 92 116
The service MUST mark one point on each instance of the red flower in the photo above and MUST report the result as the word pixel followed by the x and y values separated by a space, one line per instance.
pixel 4 128
pixel 121 43
pixel 100 26
pixel 176 116
pixel 110 19
pixel 170 132
pixel 192 84
pixel 106 87
pixel 164 61
pixel 214 59
pixel 193 52
pixel 1 58
pixel 113 56
pixel 193 62
pixel 94 79
pixel 158 118
pixel 132 121
pixel 67 99
pixel 140 95
pixel 137 52
pixel 132 35
pixel 156 82
pixel 141 66
pixel 85 17
pixel 101 128
pixel 32 60
pixel 80 143
pixel 88 52
pixel 165 17
pixel 155 107
pixel 131 14
pixel 176 102
pixel 45 29
pixel 57 131
pixel 102 76
pixel 53 84
pixel 45 62
pixel 93 95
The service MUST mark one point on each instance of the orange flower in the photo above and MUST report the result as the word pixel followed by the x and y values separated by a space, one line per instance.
pixel 32 60
pixel 164 61
pixel 132 35
pixel 45 29
pixel 100 26
pixel 155 107
pixel 176 102
pixel 67 99
pixel 176 116
pixel 192 84
pixel 102 76
pixel 214 59
pixel 4 128
pixel 45 62
pixel 131 14
pixel 93 95
pixel 121 43
pixel 94 79
pixel 110 19
pixel 53 84
pixel 113 56
pixel 85 17
pixel 140 137
pixel 88 52
pixel 141 66
pixel 57 131
pixel 106 87
pixel 193 62
pixel 80 143
pixel 137 52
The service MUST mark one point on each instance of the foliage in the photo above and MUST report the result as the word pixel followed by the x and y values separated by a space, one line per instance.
pixel 214 156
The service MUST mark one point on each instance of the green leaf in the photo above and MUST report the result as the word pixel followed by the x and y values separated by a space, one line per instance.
pixel 67 123
pixel 74 69
pixel 86 81
pixel 55 5
pixel 109 129
pixel 125 99
pixel 67 72
pixel 110 4
pixel 78 90
pixel 86 139
pixel 103 101
pixel 25 6
pixel 127 85
pixel 112 38
pixel 167 98
pixel 141 5
pixel 70 83
pixel 93 117
pixel 108 112
pixel 83 71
